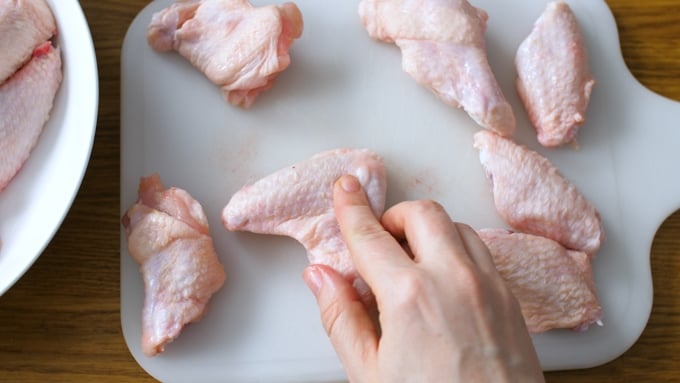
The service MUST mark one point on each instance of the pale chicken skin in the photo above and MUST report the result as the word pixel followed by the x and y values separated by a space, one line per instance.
pixel 553 77
pixel 297 201
pixel 443 48
pixel 554 285
pixel 26 101
pixel 24 25
pixel 168 235
pixel 532 196
pixel 238 47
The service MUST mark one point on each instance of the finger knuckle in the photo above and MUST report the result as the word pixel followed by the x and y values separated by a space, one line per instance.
pixel 412 287
pixel 368 231
pixel 337 316
pixel 427 206
pixel 331 316
pixel 466 229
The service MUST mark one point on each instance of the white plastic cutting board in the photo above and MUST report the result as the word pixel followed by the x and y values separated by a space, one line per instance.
pixel 345 90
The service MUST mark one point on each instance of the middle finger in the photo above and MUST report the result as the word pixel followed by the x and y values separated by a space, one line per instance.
pixel 431 234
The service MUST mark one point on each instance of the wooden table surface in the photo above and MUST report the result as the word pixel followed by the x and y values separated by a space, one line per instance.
pixel 61 321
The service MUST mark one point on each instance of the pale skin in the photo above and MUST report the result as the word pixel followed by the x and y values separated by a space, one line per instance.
pixel 445 315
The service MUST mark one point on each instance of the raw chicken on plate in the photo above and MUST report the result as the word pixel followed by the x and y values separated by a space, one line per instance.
pixel 443 48
pixel 297 201
pixel 26 100
pixel 168 235
pixel 554 81
pixel 533 197
pixel 24 25
pixel 237 46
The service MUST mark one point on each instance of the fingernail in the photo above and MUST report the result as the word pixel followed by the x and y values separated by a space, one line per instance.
pixel 349 184
pixel 313 278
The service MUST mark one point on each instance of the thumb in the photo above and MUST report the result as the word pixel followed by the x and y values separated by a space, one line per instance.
pixel 345 319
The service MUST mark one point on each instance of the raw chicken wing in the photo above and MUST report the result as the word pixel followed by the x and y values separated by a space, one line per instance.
pixel 553 80
pixel 554 286
pixel 26 100
pixel 298 202
pixel 24 25
pixel 533 197
pixel 237 46
pixel 443 48
pixel 168 235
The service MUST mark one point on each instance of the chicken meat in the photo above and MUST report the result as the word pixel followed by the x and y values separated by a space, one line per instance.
pixel 554 285
pixel 168 235
pixel 297 201
pixel 238 47
pixel 554 81
pixel 533 196
pixel 26 101
pixel 24 25
pixel 443 48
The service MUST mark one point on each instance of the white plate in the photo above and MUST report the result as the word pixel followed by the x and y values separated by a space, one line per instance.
pixel 36 201
pixel 345 90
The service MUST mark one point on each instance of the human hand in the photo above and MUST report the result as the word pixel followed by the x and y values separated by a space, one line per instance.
pixel 445 313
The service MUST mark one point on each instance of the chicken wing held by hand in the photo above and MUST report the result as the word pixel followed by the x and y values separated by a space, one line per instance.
pixel 443 48
pixel 554 286
pixel 297 201
pixel 553 78
pixel 237 46
pixel 168 235
pixel 532 196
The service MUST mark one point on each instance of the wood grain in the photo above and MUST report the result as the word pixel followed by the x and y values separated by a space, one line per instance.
pixel 61 321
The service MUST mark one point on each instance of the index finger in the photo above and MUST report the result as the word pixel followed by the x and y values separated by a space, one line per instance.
pixel 373 250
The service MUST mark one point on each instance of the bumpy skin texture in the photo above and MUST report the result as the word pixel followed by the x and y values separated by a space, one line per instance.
pixel 24 25
pixel 533 197
pixel 168 235
pixel 554 81
pixel 554 286
pixel 26 101
pixel 443 48
pixel 297 201
pixel 237 46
